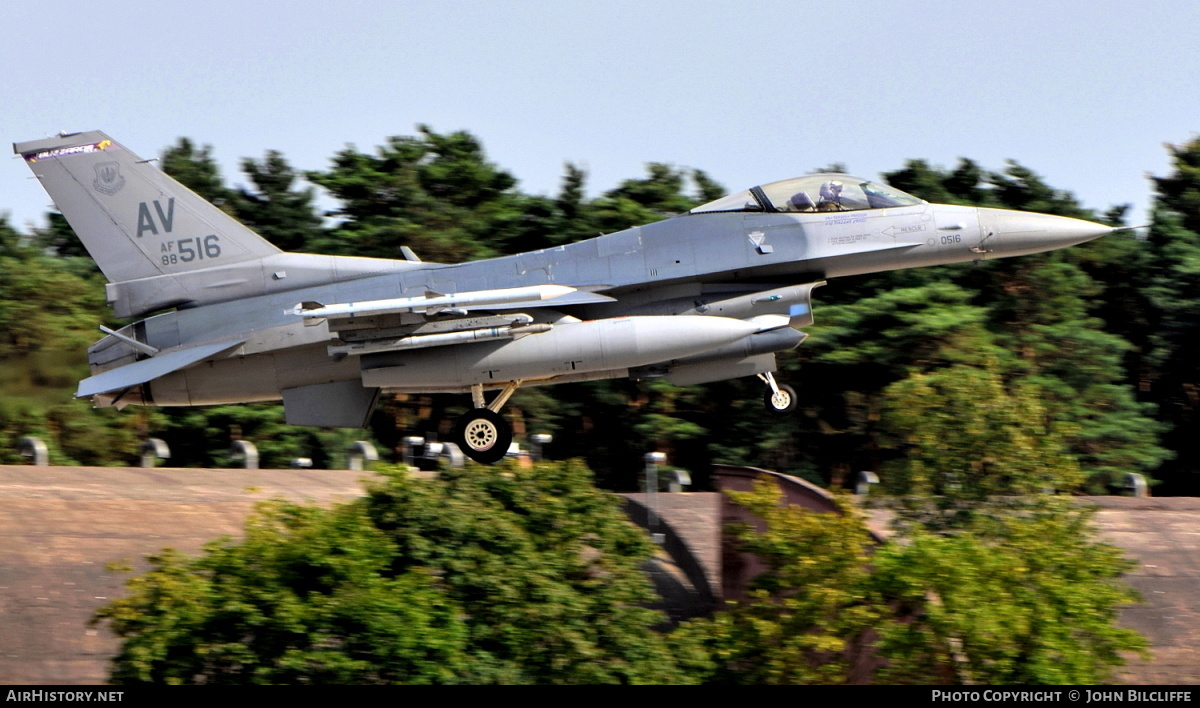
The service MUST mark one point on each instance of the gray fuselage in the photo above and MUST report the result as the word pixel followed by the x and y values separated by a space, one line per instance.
pixel 672 267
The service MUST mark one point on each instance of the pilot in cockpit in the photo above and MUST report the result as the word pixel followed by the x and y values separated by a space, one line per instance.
pixel 831 196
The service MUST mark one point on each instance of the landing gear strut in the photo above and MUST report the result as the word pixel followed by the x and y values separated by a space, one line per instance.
pixel 780 399
pixel 481 433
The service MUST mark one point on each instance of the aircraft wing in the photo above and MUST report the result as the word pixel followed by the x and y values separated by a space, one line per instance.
pixel 145 370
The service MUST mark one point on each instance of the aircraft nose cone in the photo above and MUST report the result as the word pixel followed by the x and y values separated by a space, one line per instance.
pixel 1016 233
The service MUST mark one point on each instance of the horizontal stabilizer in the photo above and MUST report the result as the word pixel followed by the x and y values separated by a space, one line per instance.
pixel 149 369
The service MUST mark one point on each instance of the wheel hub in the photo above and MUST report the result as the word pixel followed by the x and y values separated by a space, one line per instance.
pixel 480 435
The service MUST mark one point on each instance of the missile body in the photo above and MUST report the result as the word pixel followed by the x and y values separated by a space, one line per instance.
pixel 568 349
pixel 433 302
pixel 424 341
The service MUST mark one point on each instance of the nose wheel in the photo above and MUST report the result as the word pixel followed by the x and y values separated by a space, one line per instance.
pixel 779 399
pixel 482 433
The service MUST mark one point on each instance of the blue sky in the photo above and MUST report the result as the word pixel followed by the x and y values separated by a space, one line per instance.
pixel 1085 93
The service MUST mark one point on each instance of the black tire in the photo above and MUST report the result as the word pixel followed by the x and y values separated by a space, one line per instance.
pixel 483 436
pixel 784 404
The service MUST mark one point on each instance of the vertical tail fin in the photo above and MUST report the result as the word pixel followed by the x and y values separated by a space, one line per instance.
pixel 134 220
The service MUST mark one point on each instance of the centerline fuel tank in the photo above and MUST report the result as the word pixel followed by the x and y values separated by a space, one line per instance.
pixel 569 348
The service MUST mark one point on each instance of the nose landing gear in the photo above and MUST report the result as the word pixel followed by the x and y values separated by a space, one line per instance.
pixel 779 399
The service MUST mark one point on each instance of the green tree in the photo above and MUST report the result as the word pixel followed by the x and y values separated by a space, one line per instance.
pixel 307 597
pixel 997 578
pixel 275 209
pixel 485 575
pixel 1047 310
pixel 658 195
pixel 195 168
pixel 1032 600
pixel 61 240
pixel 990 578
pixel 1079 367
pixel 807 617
pixel 1165 323
pixel 970 450
pixel 49 312
pixel 437 194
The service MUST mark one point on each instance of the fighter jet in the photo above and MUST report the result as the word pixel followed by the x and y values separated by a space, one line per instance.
pixel 708 295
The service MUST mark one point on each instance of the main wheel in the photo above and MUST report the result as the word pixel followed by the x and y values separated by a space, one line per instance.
pixel 782 403
pixel 483 435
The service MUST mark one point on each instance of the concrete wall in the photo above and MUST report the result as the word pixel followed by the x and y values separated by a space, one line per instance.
pixel 1162 536
pixel 60 526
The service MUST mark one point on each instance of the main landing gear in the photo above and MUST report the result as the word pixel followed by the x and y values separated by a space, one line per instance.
pixel 481 433
pixel 780 399
pixel 484 436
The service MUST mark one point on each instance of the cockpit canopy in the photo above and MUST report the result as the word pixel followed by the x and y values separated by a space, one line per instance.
pixel 820 192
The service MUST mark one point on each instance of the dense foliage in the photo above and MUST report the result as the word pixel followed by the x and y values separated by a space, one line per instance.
pixel 998 578
pixel 989 578
pixel 532 575
pixel 492 575
pixel 1100 333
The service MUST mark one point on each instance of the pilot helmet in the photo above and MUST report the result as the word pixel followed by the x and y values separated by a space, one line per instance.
pixel 831 191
